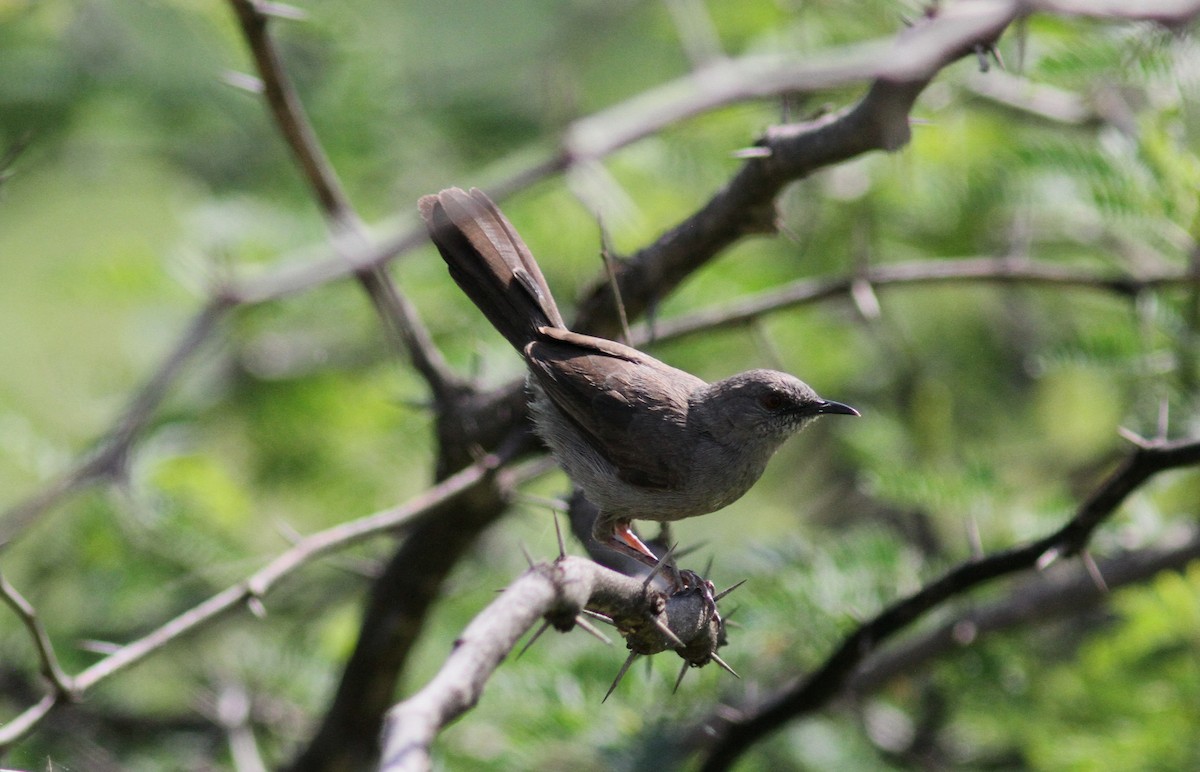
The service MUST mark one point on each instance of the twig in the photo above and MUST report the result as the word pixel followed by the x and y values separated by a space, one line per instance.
pixel 259 584
pixel 733 737
pixel 1042 597
pixel 350 237
pixel 63 686
pixel 233 714
pixel 725 82
pixel 992 270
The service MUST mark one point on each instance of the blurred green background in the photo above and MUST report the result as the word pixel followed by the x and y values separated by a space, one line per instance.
pixel 988 410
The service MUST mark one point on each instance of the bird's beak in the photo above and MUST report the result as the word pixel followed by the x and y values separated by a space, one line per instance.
pixel 837 408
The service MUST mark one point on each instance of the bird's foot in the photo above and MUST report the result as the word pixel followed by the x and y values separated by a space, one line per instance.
pixel 621 538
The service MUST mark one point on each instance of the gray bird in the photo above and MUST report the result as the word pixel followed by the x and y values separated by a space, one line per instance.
pixel 642 439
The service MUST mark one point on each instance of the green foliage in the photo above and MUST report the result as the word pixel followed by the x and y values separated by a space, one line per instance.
pixel 989 410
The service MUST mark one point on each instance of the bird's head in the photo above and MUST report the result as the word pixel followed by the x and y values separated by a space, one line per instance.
pixel 764 404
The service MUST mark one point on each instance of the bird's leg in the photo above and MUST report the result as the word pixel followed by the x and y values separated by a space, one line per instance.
pixel 619 537
pixel 625 540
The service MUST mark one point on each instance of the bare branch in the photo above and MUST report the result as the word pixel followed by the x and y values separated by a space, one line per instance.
pixel 1041 597
pixel 992 270
pixel 910 56
pixel 735 736
pixel 260 583
pixel 289 114
pixel 63 686
pixel 350 237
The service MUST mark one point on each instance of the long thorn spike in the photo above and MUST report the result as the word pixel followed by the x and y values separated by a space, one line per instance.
pixel 597 615
pixel 620 674
pixel 525 552
pixel 533 640
pixel 588 627
pixel 666 631
pixel 662 564
pixel 679 679
pixel 562 545
pixel 725 666
pixel 725 592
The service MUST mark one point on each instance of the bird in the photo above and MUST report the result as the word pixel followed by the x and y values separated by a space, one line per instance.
pixel 643 440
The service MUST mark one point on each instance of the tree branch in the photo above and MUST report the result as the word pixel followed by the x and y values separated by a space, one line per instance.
pixel 732 738
pixel 1042 597
pixel 558 592
pixel 349 235
pixel 989 270
pixel 64 688
pixel 254 588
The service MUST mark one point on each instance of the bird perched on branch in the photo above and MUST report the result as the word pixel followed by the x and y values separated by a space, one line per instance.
pixel 642 439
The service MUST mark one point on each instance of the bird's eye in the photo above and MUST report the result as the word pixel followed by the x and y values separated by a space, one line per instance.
pixel 772 400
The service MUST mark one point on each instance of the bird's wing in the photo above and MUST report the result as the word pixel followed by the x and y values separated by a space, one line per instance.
pixel 615 397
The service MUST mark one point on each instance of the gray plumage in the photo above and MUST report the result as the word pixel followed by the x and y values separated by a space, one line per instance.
pixel 642 439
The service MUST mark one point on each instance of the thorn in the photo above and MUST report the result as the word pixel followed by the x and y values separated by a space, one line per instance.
pixel 708 566
pixel 723 593
pixel 682 673
pixel 1132 437
pixel 597 615
pixel 1047 558
pixel 981 56
pixel 588 627
pixel 244 81
pixel 725 666
pixel 658 567
pixel 752 152
pixel 533 640
pixel 620 674
pixel 865 299
pixel 1094 571
pixel 995 52
pixel 525 552
pixel 666 631
pixel 562 545
pixel 280 10
pixel 552 503
pixel 611 271
pixel 788 232
pixel 255 604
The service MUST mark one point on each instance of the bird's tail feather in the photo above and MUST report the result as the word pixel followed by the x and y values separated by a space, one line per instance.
pixel 491 263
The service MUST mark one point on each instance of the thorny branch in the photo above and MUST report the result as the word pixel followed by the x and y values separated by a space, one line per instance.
pixel 560 592
pixel 900 70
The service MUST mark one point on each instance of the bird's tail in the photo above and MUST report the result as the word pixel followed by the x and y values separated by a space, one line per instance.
pixel 491 263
